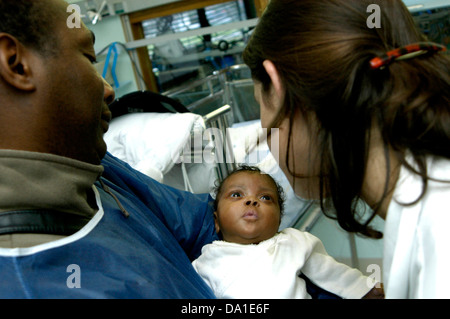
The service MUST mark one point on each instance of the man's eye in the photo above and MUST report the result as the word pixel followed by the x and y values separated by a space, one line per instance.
pixel 91 58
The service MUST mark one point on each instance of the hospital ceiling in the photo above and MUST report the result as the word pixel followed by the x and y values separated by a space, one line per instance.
pixel 418 5
pixel 125 6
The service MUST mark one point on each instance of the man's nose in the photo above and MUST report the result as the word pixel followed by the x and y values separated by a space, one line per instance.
pixel 108 95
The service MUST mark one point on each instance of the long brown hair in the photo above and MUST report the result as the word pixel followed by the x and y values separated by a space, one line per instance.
pixel 322 49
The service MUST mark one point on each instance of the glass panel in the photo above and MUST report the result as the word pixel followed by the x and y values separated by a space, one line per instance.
pixel 435 24
pixel 180 60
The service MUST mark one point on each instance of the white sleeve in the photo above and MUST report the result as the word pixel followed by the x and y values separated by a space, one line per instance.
pixel 430 261
pixel 337 278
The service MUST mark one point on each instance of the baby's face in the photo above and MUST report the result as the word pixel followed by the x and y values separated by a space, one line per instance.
pixel 248 210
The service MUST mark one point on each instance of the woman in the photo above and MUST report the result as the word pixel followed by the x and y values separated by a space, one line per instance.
pixel 363 114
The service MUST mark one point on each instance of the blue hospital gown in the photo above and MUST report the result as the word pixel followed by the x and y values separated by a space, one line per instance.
pixel 147 255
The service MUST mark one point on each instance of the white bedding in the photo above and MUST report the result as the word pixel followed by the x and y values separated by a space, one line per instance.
pixel 152 142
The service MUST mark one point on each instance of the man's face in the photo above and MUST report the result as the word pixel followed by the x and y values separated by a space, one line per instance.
pixel 77 113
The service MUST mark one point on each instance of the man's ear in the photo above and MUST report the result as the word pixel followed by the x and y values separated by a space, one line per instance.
pixel 14 63
pixel 216 222
pixel 275 79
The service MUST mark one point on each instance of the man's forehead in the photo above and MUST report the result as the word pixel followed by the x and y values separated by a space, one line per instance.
pixel 62 14
pixel 81 34
pixel 72 18
pixel 55 5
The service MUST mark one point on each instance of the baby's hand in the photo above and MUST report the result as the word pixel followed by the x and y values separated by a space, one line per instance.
pixel 375 293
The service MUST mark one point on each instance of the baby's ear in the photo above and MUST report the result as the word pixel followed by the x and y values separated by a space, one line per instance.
pixel 216 222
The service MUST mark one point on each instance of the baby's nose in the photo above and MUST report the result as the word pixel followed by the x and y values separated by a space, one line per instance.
pixel 251 202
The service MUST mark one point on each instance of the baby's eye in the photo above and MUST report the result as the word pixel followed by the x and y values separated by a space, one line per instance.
pixel 266 197
pixel 235 194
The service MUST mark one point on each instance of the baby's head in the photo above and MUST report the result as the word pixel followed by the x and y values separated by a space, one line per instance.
pixel 248 206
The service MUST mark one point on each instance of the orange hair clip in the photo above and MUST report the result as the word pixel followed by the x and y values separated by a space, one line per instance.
pixel 407 52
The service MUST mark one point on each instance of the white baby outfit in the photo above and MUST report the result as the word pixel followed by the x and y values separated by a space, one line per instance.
pixel 270 269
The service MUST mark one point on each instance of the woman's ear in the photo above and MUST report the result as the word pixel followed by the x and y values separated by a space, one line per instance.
pixel 275 79
pixel 216 222
pixel 14 64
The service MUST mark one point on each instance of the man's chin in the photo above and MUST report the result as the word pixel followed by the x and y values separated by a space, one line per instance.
pixel 101 154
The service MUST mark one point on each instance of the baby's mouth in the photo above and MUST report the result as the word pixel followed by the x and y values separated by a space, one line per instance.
pixel 251 214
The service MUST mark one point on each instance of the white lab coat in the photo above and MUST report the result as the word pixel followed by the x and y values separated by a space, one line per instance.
pixel 270 269
pixel 417 238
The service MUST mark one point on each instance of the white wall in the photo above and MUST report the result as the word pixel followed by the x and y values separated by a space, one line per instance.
pixel 337 243
pixel 107 31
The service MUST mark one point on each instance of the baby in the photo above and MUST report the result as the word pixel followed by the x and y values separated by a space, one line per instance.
pixel 254 260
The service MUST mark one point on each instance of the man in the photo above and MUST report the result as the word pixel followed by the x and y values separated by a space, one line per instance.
pixel 76 222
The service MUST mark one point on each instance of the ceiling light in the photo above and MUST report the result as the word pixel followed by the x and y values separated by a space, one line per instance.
pixel 417 6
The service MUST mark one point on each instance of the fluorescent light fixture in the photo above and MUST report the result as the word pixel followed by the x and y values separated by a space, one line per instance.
pixel 417 6
pixel 97 16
